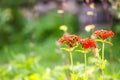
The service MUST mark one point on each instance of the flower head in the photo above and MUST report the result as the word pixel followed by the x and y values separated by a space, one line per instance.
pixel 69 40
pixel 63 28
pixel 104 34
pixel 87 43
pixel 88 28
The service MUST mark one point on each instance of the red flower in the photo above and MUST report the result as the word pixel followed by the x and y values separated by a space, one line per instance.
pixel 110 33
pixel 69 40
pixel 61 40
pixel 104 34
pixel 88 43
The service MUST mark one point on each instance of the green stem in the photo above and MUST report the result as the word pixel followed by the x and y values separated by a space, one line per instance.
pixel 85 61
pixel 71 59
pixel 85 65
pixel 103 46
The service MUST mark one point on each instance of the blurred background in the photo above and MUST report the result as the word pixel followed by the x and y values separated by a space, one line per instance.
pixel 29 30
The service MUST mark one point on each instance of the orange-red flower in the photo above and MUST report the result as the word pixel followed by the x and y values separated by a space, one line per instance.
pixel 104 34
pixel 88 43
pixel 69 40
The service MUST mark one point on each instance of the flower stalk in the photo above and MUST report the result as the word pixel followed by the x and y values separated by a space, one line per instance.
pixel 102 36
pixel 103 46
pixel 85 65
pixel 71 60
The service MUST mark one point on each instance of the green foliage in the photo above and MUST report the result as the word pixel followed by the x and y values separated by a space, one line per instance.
pixel 23 67
pixel 116 25
pixel 11 25
pixel 49 24
pixel 13 3
pixel 16 3
pixel 117 28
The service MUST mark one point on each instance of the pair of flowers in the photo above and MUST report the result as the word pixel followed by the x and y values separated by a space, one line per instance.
pixel 73 40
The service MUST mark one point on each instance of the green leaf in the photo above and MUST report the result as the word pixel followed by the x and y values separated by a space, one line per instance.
pixel 74 76
pixel 97 54
pixel 86 76
pixel 108 43
pixel 69 49
pixel 99 40
pixel 66 49
pixel 73 48
pixel 103 64
pixel 81 51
